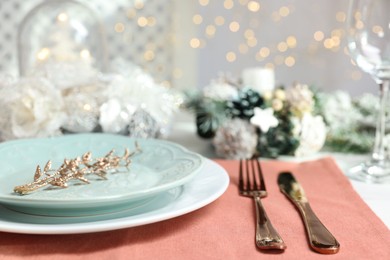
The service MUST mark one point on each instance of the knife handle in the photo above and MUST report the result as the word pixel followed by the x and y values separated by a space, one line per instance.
pixel 266 235
pixel 320 239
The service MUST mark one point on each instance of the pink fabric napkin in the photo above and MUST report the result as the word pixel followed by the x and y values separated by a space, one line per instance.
pixel 225 228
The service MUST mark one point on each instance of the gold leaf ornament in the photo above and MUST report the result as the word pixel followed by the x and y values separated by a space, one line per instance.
pixel 77 169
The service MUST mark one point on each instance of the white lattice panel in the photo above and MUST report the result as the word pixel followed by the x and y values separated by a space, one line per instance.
pixel 137 30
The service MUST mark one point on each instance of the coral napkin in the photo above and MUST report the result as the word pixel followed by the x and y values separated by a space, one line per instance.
pixel 225 228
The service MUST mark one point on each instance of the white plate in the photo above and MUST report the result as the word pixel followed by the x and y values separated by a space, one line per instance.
pixel 159 167
pixel 204 188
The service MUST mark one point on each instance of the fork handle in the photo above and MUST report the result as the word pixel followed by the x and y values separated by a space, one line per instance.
pixel 266 235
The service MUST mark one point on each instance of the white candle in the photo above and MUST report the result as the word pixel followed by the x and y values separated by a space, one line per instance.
pixel 259 79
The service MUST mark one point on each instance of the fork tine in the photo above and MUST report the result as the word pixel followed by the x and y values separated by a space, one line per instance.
pixel 248 179
pixel 262 183
pixel 254 175
pixel 250 175
pixel 240 178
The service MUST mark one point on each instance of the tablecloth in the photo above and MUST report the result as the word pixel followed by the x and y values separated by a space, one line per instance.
pixel 225 228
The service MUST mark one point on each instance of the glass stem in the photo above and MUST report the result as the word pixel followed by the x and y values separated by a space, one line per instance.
pixel 378 154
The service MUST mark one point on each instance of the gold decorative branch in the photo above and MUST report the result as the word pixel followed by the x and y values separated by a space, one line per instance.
pixel 77 169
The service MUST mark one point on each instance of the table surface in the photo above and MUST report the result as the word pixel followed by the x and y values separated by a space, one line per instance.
pixel 376 196
pixel 207 233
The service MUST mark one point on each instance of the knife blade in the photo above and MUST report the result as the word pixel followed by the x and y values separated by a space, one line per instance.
pixel 320 239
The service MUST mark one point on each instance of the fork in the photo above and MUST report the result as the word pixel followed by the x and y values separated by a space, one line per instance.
pixel 251 184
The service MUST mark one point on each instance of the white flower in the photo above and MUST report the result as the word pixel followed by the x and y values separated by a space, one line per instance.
pixel 280 94
pixel 297 127
pixel 277 104
pixel 113 117
pixel 264 119
pixel 34 109
pixel 267 95
pixel 137 89
pixel 301 99
pixel 220 91
pixel 142 91
pixel 312 136
pixel 82 111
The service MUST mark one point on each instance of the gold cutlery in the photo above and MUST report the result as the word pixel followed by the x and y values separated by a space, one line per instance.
pixel 320 239
pixel 251 184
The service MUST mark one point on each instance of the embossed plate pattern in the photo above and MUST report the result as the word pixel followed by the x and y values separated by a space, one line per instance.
pixel 159 167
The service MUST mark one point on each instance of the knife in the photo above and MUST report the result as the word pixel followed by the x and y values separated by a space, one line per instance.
pixel 320 239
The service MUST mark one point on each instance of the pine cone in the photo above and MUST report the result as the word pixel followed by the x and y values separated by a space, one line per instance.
pixel 243 106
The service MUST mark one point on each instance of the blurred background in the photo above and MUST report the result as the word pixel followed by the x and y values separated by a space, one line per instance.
pixel 185 44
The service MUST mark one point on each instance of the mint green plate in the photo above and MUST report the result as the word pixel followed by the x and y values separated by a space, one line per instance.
pixel 160 166
pixel 208 185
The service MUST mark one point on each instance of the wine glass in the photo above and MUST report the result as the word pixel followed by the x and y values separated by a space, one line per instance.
pixel 369 45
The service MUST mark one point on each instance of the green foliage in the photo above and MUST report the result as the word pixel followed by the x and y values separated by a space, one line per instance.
pixel 279 140
pixel 351 142
pixel 209 116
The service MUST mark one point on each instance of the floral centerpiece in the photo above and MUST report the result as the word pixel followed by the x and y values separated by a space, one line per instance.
pixel 243 122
